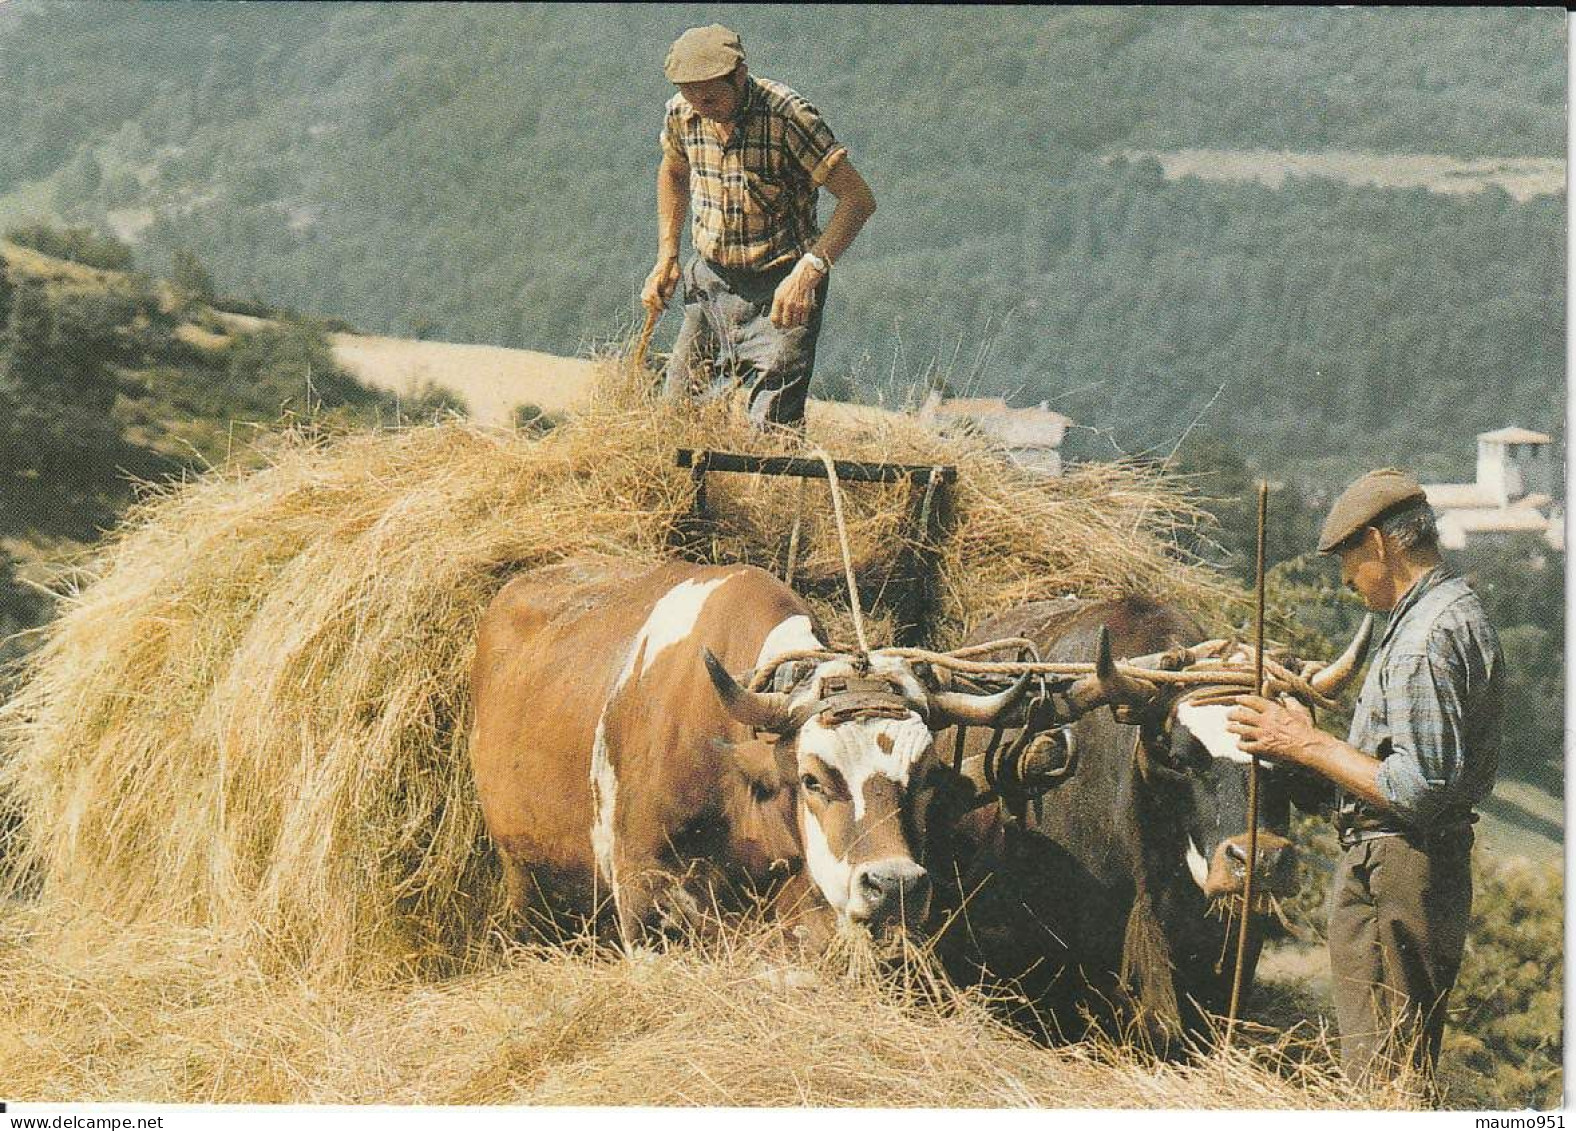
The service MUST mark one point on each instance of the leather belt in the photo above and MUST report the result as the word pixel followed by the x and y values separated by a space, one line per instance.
pixel 1350 838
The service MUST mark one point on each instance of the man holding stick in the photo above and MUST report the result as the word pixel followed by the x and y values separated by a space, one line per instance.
pixel 1423 750
pixel 751 155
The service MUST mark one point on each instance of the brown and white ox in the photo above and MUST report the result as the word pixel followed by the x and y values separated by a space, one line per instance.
pixel 620 772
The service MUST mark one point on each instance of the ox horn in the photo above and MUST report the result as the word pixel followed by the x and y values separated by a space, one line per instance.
pixel 1107 685
pixel 1335 675
pixel 953 708
pixel 764 710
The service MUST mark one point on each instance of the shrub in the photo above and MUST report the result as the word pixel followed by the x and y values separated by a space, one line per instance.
pixel 431 401
pixel 531 418
pixel 79 245
pixel 1505 1047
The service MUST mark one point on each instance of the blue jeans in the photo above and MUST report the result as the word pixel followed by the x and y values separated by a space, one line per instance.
pixel 727 323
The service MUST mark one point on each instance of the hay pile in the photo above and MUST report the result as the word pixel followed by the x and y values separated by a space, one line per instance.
pixel 158 1018
pixel 251 714
pixel 244 863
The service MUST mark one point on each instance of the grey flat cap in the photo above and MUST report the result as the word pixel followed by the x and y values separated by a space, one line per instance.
pixel 1364 502
pixel 703 53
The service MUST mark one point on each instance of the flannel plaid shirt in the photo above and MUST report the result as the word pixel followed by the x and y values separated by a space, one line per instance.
pixel 754 197
pixel 1431 708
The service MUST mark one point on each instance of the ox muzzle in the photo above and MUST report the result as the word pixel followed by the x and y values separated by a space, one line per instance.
pixel 890 892
pixel 1274 867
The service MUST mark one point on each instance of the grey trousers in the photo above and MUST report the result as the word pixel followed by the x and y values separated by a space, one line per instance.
pixel 1399 912
pixel 728 340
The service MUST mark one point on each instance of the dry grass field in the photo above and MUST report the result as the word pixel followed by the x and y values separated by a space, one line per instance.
pixel 491 380
pixel 174 1017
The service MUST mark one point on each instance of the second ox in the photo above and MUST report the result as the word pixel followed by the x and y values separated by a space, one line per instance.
pixel 621 769
pixel 1125 876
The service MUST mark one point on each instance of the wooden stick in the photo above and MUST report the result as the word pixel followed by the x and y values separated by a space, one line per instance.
pixel 1253 774
pixel 638 360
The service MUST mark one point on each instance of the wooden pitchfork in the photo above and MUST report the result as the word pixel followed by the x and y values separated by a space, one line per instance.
pixel 643 343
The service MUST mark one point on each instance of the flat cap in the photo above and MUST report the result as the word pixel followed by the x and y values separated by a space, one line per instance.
pixel 703 53
pixel 1365 502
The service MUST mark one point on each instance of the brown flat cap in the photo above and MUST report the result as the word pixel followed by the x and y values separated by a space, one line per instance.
pixel 1365 502
pixel 703 53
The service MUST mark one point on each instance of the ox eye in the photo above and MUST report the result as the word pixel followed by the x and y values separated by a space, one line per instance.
pixel 811 783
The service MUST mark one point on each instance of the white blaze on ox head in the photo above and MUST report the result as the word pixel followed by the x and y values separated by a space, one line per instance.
pixel 1219 865
pixel 1208 724
pixel 856 777
pixel 864 753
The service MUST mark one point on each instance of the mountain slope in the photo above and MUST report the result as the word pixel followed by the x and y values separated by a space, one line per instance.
pixel 486 175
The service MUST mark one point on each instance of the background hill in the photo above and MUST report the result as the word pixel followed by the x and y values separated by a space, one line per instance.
pixel 486 175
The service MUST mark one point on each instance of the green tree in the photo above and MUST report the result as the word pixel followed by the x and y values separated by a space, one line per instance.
pixel 531 418
pixel 5 297
pixel 1228 488
pixel 21 608
pixel 78 181
pixel 79 245
pixel 190 278
pixel 60 381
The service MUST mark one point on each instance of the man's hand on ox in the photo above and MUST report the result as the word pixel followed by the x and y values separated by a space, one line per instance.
pixel 660 284
pixel 1280 731
pixel 794 298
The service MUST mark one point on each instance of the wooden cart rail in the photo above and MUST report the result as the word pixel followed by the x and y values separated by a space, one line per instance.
pixel 910 586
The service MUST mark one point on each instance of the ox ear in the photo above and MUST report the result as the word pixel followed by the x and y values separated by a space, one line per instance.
pixel 764 710
pixel 757 762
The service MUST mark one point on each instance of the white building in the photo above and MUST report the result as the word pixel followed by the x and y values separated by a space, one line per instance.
pixel 1031 436
pixel 1513 493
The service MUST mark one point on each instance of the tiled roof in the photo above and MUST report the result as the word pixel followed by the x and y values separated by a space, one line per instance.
pixel 1514 436
pixel 1014 427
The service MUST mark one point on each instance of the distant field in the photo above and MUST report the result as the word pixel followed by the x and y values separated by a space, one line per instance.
pixel 1521 819
pixel 1521 177
pixel 491 380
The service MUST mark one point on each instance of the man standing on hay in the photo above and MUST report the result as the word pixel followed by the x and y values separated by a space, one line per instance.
pixel 752 155
pixel 1422 753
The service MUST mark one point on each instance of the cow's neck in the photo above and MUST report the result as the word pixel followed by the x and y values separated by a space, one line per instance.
pixel 1156 828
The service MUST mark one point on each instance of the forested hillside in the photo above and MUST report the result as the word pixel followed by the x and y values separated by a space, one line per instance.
pixel 109 379
pixel 486 174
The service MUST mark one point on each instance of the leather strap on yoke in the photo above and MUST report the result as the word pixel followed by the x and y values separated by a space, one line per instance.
pixel 845 698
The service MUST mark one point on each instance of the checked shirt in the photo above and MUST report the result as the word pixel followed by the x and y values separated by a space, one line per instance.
pixel 1430 708
pixel 754 196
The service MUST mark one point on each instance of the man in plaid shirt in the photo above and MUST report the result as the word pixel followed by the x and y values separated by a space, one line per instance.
pixel 1421 754
pixel 751 155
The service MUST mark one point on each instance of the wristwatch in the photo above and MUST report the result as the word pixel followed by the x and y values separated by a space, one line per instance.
pixel 824 266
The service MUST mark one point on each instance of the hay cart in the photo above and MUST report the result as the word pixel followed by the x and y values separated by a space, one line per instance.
pixel 1031 751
